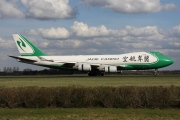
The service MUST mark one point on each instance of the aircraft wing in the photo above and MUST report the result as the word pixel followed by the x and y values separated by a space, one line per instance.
pixel 73 63
pixel 93 65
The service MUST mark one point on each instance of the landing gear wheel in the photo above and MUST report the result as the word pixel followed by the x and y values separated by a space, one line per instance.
pixel 92 74
pixel 95 74
pixel 102 74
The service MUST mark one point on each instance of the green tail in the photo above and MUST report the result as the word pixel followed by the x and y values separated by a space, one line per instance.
pixel 25 47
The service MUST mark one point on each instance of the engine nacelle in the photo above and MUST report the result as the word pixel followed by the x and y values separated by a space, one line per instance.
pixel 111 69
pixel 84 67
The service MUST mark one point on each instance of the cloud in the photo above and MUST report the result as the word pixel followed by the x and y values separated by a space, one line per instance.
pixel 81 29
pixel 9 10
pixel 78 29
pixel 52 33
pixel 49 9
pixel 138 45
pixel 61 9
pixel 6 44
pixel 175 44
pixel 37 9
pixel 71 43
pixel 176 31
pixel 1 40
pixel 143 31
pixel 131 6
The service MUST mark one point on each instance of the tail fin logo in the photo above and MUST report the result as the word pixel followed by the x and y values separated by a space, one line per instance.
pixel 25 47
pixel 21 44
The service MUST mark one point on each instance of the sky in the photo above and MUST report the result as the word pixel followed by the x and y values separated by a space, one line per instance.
pixel 89 27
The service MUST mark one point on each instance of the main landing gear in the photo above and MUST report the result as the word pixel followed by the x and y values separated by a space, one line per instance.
pixel 95 74
pixel 155 72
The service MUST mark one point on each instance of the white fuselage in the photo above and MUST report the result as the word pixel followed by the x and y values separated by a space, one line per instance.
pixel 121 59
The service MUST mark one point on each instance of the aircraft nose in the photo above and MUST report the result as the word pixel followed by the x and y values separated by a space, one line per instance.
pixel 168 61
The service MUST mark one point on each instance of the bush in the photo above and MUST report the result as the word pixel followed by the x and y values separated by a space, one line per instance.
pixel 83 97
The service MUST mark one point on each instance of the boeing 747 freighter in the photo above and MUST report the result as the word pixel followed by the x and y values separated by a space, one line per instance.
pixel 94 65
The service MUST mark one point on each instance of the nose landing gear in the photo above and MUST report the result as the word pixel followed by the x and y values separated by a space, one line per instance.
pixel 155 72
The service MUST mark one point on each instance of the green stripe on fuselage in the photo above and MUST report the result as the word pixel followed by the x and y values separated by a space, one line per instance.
pixel 162 61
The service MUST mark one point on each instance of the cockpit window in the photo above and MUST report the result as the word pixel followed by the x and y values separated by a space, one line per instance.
pixel 160 53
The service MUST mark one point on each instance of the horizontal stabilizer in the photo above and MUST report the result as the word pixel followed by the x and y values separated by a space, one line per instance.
pixel 22 59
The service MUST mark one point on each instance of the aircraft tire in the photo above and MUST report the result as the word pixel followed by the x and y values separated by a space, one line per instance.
pixel 95 74
pixel 92 74
pixel 102 74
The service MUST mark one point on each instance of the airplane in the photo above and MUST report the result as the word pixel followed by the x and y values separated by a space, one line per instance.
pixel 94 65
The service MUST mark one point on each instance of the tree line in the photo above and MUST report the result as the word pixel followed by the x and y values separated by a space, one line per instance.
pixel 28 71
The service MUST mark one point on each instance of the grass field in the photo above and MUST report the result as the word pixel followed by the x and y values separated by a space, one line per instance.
pixel 54 81
pixel 89 114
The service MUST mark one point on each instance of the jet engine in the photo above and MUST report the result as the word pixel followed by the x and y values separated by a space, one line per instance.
pixel 84 67
pixel 109 69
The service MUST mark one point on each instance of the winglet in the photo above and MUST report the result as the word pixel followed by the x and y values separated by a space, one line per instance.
pixel 25 47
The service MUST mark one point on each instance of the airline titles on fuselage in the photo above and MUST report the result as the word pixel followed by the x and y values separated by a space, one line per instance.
pixel 140 58
pixel 92 59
